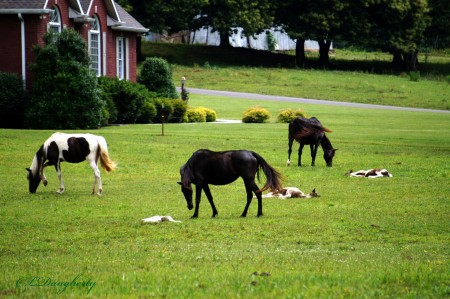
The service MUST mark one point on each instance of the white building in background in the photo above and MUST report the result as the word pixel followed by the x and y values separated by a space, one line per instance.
pixel 205 36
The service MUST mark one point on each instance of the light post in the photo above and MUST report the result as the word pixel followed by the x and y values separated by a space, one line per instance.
pixel 184 94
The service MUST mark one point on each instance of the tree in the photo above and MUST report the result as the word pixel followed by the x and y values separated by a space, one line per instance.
pixel 438 33
pixel 223 16
pixel 166 15
pixel 321 20
pixel 65 93
pixel 398 27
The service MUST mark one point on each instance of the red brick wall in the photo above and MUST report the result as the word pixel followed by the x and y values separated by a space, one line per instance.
pixel 36 27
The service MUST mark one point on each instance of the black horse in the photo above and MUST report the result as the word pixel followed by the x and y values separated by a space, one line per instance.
pixel 206 167
pixel 310 131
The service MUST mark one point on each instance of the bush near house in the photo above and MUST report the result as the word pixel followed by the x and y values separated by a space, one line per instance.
pixel 131 102
pixel 156 75
pixel 13 101
pixel 65 94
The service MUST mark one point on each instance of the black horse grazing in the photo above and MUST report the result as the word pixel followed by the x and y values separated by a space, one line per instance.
pixel 206 167
pixel 310 131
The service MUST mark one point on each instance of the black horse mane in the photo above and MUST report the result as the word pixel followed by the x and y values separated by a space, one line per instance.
pixel 187 172
pixel 326 143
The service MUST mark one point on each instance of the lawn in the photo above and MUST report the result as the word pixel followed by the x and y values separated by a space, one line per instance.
pixel 363 238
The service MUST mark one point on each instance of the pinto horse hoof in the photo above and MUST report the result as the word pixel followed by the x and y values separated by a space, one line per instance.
pixel 60 191
pixel 45 183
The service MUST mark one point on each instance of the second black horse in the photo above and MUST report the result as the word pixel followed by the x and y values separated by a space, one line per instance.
pixel 310 131
pixel 206 167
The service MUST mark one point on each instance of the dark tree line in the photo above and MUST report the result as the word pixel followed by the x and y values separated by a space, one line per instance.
pixel 401 28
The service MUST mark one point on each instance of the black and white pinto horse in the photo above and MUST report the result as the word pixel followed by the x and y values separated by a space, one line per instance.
pixel 310 131
pixel 206 167
pixel 72 148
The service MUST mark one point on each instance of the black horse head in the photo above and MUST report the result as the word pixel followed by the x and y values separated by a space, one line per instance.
pixel 186 186
pixel 33 180
pixel 328 156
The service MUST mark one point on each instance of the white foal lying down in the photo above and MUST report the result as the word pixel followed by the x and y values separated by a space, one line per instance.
pixel 157 219
pixel 371 173
pixel 291 192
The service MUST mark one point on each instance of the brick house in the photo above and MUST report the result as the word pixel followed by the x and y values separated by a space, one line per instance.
pixel 112 35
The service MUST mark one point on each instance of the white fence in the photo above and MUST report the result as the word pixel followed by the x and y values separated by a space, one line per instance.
pixel 207 37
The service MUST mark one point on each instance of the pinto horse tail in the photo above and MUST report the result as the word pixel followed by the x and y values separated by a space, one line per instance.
pixel 106 163
pixel 272 175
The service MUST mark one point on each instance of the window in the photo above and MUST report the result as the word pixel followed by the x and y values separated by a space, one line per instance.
pixel 95 46
pixel 122 58
pixel 55 21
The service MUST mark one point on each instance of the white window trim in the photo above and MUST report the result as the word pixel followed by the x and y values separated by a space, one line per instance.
pixel 56 25
pixel 99 46
pixel 122 58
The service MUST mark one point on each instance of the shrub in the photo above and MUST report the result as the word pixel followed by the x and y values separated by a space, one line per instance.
pixel 13 101
pixel 196 115
pixel 65 93
pixel 211 115
pixel 288 115
pixel 256 115
pixel 156 75
pixel 128 98
pixel 179 111
pixel 414 76
pixel 147 113
pixel 168 110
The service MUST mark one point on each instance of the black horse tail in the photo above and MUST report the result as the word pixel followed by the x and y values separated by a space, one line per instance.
pixel 272 175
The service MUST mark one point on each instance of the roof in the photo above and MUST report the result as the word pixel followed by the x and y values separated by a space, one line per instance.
pixel 118 18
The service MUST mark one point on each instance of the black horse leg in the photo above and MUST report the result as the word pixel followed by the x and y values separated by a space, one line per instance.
pixel 314 148
pixel 252 187
pixel 248 188
pixel 300 150
pixel 210 199
pixel 291 141
pixel 198 194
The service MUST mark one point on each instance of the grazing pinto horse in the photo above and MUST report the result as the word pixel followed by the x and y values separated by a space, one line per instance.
pixel 72 148
pixel 310 131
pixel 206 167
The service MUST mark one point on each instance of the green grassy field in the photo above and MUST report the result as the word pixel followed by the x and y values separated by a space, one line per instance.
pixel 361 239
pixel 360 77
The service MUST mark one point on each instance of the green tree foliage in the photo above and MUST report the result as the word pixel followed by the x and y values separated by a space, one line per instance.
pixel 13 101
pixel 65 93
pixel 162 15
pixel 438 33
pixel 131 102
pixel 223 15
pixel 156 75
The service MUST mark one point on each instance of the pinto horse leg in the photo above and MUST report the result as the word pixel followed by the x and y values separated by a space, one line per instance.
pixel 61 182
pixel 300 150
pixel 97 178
pixel 42 175
pixel 210 199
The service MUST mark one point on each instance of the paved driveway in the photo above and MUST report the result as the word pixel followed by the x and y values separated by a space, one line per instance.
pixel 262 97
